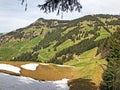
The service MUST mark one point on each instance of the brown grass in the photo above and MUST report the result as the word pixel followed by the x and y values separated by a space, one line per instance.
pixel 50 72
pixel 54 72
pixel 43 72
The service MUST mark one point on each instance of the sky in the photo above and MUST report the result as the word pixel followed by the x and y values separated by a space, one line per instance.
pixel 13 15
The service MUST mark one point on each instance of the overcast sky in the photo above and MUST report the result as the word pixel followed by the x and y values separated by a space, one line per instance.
pixel 13 15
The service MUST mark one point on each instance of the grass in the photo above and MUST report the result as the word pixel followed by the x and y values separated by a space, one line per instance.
pixel 88 67
pixel 103 34
pixel 89 75
pixel 82 64
pixel 45 54
pixel 13 48
pixel 68 30
pixel 43 72
pixel 81 69
pixel 86 71
pixel 89 55
pixel 50 72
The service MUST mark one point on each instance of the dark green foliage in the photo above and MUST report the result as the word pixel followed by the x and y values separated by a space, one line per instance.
pixel 28 56
pixel 107 16
pixel 16 34
pixel 114 22
pixel 78 49
pixel 111 76
pixel 89 18
pixel 49 37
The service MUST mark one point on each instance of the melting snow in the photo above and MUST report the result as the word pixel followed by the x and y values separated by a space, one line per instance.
pixel 30 66
pixel 63 65
pixel 9 82
pixel 61 84
pixel 9 68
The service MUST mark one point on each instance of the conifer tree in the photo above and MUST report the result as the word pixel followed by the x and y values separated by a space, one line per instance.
pixel 111 77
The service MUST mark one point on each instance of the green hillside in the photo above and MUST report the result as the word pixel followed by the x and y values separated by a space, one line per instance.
pixel 79 43
pixel 57 41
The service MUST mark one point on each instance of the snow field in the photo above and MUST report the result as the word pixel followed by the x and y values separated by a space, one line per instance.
pixel 9 82
pixel 11 68
pixel 31 66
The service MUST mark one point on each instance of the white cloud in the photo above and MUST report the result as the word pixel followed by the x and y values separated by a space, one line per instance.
pixel 8 24
pixel 13 16
pixel 101 6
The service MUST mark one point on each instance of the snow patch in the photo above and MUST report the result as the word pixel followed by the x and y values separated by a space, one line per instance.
pixel 31 66
pixel 61 84
pixel 11 68
pixel 9 82
pixel 63 65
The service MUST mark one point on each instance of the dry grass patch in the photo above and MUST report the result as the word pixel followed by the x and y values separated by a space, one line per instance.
pixel 50 72
pixel 44 72
pixel 83 75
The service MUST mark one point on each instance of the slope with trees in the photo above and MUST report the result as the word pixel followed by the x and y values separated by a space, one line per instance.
pixel 111 76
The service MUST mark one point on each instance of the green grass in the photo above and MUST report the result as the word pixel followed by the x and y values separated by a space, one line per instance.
pixel 13 48
pixel 80 64
pixel 66 44
pixel 87 28
pixel 68 30
pixel 47 53
pixel 89 55
pixel 88 65
pixel 103 34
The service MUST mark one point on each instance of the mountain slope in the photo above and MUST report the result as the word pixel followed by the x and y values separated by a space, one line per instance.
pixel 79 43
pixel 57 41
pixel 1 34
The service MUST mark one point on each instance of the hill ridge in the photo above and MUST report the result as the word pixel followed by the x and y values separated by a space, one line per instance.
pixel 54 40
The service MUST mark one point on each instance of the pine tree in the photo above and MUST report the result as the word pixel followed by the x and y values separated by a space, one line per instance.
pixel 111 77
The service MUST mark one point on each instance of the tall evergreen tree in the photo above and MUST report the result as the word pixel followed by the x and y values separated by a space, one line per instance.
pixel 111 77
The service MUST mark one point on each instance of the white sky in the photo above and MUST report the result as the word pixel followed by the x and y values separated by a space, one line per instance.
pixel 13 15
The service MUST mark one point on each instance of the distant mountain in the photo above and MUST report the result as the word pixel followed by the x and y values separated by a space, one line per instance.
pixel 58 41
pixel 1 34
